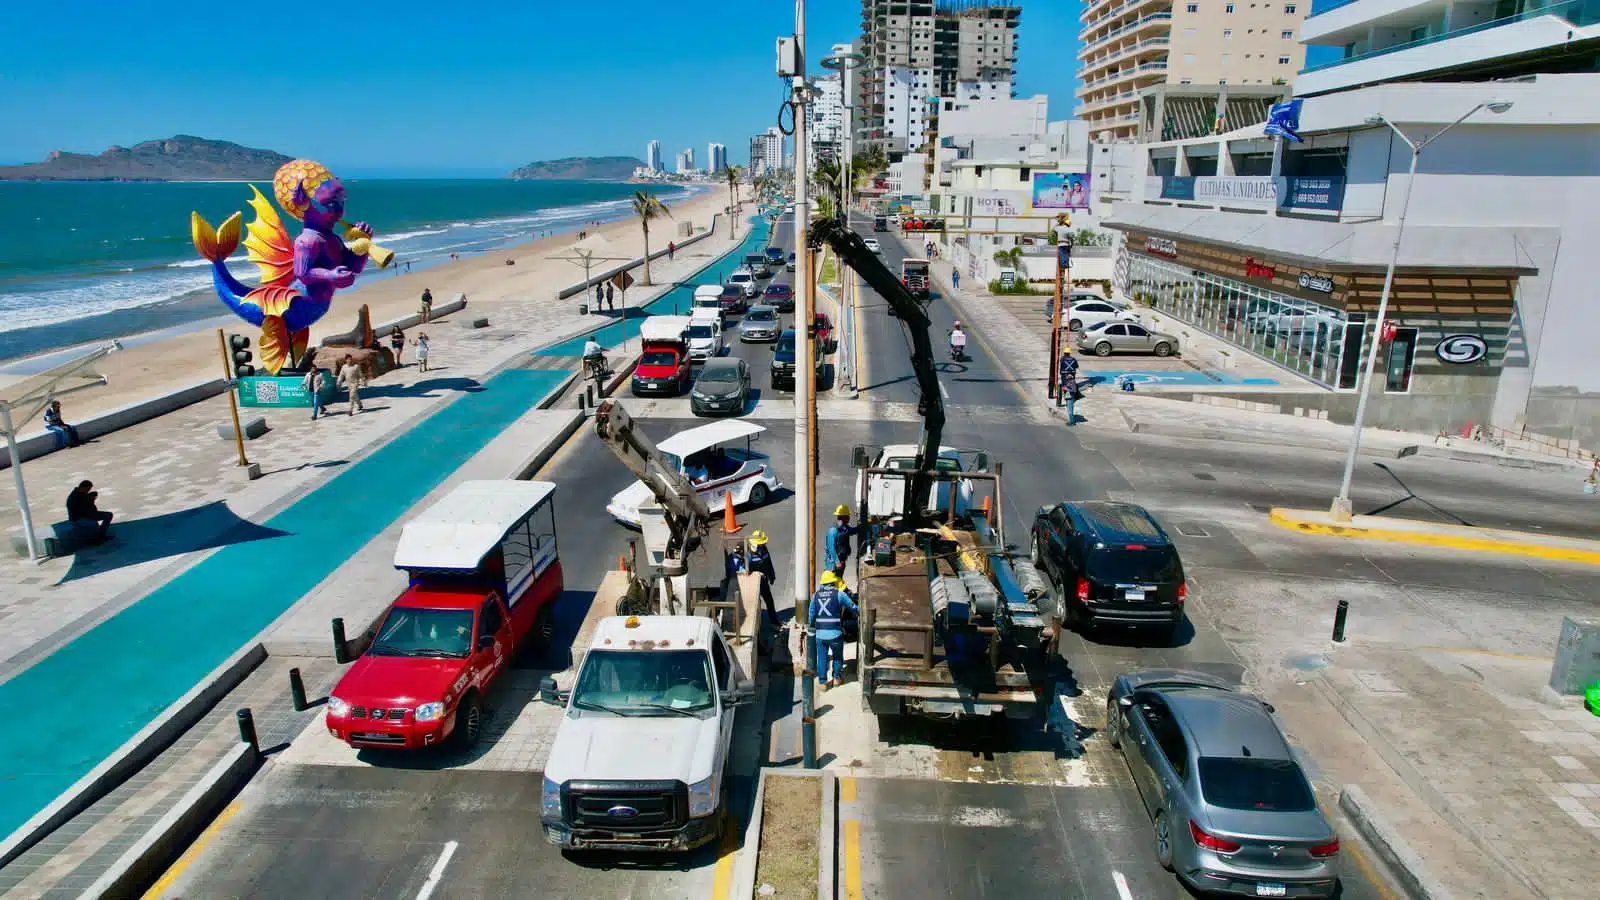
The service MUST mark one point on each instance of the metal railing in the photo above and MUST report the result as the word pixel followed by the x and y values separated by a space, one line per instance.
pixel 1587 12
pixel 1131 26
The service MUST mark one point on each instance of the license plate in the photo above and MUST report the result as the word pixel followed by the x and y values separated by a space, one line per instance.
pixel 1139 595
pixel 1271 890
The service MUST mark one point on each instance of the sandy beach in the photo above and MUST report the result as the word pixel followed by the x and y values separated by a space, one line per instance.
pixel 157 367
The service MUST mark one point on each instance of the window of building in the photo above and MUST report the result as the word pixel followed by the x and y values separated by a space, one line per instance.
pixel 1419 32
pixel 1228 9
pixel 1288 35
pixel 1288 8
pixel 1227 34
pixel 1283 60
pixel 1227 58
pixel 1193 7
pixel 1186 81
pixel 1402 358
pixel 1188 59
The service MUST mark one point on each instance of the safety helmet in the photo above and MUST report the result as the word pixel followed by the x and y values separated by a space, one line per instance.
pixel 843 510
pixel 758 539
pixel 828 578
pixel 958 323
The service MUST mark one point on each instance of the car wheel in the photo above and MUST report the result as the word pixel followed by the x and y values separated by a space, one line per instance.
pixel 1075 325
pixel 1163 841
pixel 1113 724
pixel 1038 554
pixel 1102 349
pixel 758 494
pixel 469 721
pixel 1163 349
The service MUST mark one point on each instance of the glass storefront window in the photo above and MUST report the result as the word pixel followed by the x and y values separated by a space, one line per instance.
pixel 1300 335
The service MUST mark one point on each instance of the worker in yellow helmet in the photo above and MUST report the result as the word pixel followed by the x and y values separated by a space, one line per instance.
pixel 760 563
pixel 828 606
pixel 838 540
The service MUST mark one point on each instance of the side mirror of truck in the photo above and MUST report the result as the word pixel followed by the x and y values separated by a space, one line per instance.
pixel 1125 702
pixel 744 691
pixel 485 641
pixel 549 693
pixel 982 463
pixel 859 459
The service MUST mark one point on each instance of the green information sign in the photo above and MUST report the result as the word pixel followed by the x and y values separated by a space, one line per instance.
pixel 281 391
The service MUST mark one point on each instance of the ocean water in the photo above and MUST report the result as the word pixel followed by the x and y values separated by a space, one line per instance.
pixel 90 261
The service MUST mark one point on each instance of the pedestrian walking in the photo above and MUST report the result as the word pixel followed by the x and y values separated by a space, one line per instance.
pixel 599 296
pixel 315 383
pixel 87 519
pixel 66 435
pixel 350 376
pixel 760 563
pixel 397 343
pixel 611 297
pixel 1067 392
pixel 422 351
pixel 955 282
pixel 427 306
pixel 672 250
pixel 828 606
pixel 838 542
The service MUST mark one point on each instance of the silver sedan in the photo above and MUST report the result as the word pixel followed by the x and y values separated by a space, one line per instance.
pixel 761 323
pixel 1233 813
pixel 1107 338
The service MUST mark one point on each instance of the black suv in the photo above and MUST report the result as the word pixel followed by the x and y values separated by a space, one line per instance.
pixel 783 358
pixel 1113 563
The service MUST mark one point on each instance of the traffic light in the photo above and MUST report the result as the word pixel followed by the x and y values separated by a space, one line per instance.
pixel 239 349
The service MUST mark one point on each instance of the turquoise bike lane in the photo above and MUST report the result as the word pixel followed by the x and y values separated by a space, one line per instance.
pixel 73 709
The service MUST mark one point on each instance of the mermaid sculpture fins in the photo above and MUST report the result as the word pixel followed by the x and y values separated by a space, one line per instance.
pixel 269 245
pixel 264 306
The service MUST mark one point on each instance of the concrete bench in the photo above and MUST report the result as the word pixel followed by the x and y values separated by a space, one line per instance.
pixel 60 539
pixel 252 428
pixel 472 322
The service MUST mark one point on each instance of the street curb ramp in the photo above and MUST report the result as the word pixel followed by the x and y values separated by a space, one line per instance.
pixel 1403 862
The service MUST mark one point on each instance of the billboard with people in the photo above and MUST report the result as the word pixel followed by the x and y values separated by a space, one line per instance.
pixel 1060 190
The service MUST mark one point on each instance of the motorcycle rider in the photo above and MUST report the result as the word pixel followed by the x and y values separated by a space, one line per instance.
pixel 958 341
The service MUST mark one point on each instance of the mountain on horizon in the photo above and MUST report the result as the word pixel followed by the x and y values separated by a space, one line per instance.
pixel 579 168
pixel 182 157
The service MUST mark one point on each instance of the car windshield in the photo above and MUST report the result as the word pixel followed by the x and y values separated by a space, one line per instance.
pixel 761 315
pixel 738 278
pixel 1121 565
pixel 654 683
pixel 786 344
pixel 777 290
pixel 436 633
pixel 1277 785
pixel 719 375
pixel 699 332
pixel 907 463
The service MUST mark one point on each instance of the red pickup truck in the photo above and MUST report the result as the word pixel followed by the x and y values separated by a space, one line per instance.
pixel 664 366
pixel 485 575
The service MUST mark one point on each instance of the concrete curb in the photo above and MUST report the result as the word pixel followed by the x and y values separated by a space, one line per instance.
pixel 1440 536
pixel 1403 862
pixel 744 865
pixel 137 752
pixel 1303 443
pixel 166 839
pixel 828 839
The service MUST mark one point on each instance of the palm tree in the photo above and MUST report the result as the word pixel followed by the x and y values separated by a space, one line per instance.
pixel 1009 259
pixel 735 175
pixel 827 177
pixel 648 206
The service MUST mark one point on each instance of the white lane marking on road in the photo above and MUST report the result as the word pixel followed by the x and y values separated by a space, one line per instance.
pixel 944 390
pixel 1122 886
pixel 437 872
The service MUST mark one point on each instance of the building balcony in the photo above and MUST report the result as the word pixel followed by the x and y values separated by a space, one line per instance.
pixel 1111 100
pixel 1112 15
pixel 1151 68
pixel 1161 20
pixel 1528 31
pixel 1148 45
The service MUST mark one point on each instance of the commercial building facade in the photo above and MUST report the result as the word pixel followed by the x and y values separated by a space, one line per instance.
pixel 1491 313
pixel 1131 45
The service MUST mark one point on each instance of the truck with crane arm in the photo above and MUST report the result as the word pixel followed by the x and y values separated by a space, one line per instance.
pixel 950 627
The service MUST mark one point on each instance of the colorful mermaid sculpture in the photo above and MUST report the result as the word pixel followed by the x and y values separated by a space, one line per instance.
pixel 299 277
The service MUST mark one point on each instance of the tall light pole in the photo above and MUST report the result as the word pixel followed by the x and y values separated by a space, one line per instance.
pixel 1341 510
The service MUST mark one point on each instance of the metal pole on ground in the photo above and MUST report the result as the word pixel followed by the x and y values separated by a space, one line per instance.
pixel 1053 388
pixel 16 475
pixel 803 372
pixel 233 398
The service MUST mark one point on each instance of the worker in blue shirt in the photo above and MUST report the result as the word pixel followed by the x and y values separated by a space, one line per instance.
pixel 828 606
pixel 838 541
pixel 736 561
pixel 760 563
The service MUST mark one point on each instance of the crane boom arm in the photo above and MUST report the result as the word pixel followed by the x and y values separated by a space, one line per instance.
pixel 687 513
pixel 853 251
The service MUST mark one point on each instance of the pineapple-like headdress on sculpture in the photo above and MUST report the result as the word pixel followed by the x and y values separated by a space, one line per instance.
pixel 296 182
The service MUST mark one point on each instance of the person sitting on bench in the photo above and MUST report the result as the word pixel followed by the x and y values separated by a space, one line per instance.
pixel 88 520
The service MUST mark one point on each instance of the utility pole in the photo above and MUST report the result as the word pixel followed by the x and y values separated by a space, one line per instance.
pixel 1054 363
pixel 805 522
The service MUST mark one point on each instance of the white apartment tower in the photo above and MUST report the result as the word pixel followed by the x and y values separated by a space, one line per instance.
pixel 1133 45
pixel 652 156
pixel 716 158
pixel 767 151
pixel 825 115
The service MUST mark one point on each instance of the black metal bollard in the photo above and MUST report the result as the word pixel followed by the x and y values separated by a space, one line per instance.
pixel 1338 621
pixel 583 403
pixel 338 641
pixel 588 391
pixel 297 690
pixel 247 729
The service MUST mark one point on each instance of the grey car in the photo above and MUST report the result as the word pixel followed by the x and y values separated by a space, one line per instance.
pixel 761 323
pixel 1107 338
pixel 1233 812
pixel 722 388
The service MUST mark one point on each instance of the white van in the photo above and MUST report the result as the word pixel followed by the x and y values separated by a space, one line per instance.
pixel 707 297
pixel 705 333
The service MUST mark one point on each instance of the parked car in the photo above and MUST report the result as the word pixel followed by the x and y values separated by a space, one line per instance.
pixel 746 280
pixel 731 301
pixel 823 330
pixel 872 244
pixel 1113 564
pixel 779 296
pixel 758 266
pixel 1092 312
pixel 1232 809
pixel 1084 297
pixel 1107 338
pixel 723 388
pixel 761 323
pixel 724 452
pixel 783 361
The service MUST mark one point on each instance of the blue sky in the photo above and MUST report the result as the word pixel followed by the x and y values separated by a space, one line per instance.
pixel 424 88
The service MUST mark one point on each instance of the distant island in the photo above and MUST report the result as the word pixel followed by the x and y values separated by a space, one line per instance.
pixel 179 158
pixel 579 168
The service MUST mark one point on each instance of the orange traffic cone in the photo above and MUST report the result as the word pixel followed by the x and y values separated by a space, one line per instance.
pixel 730 524
pixel 622 562
pixel 988 510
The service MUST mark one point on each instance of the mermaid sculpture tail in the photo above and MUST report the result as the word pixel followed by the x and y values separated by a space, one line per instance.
pixel 274 307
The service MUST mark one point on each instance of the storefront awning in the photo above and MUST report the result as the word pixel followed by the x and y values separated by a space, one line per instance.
pixel 1338 245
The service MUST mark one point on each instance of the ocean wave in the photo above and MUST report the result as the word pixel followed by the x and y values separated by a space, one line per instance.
pixel 407 235
pixel 196 263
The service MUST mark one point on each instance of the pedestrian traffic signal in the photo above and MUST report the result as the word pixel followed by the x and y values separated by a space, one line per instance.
pixel 239 350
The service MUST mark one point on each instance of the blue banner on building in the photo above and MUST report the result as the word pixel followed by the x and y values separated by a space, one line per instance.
pixel 1311 192
pixel 1177 187
pixel 1284 121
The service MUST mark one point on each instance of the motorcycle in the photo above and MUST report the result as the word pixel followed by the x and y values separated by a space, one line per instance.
pixel 958 351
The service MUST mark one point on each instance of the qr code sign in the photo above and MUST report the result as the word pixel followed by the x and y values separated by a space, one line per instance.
pixel 266 392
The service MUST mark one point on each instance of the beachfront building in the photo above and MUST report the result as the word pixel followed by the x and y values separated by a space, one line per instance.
pixel 1129 46
pixel 716 158
pixel 825 116
pixel 1449 40
pixel 767 151
pixel 652 157
pixel 918 51
pixel 1281 251
pixel 685 162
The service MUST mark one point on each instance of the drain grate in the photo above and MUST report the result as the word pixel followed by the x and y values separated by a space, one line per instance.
pixel 1205 476
pixel 1189 529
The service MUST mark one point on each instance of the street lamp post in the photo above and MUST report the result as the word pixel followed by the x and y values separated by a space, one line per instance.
pixel 1341 509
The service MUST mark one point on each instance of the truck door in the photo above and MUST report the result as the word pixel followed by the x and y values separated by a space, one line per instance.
pixel 493 642
pixel 723 667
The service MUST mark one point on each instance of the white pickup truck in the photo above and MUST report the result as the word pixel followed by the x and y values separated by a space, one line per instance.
pixel 641 754
pixel 883 496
